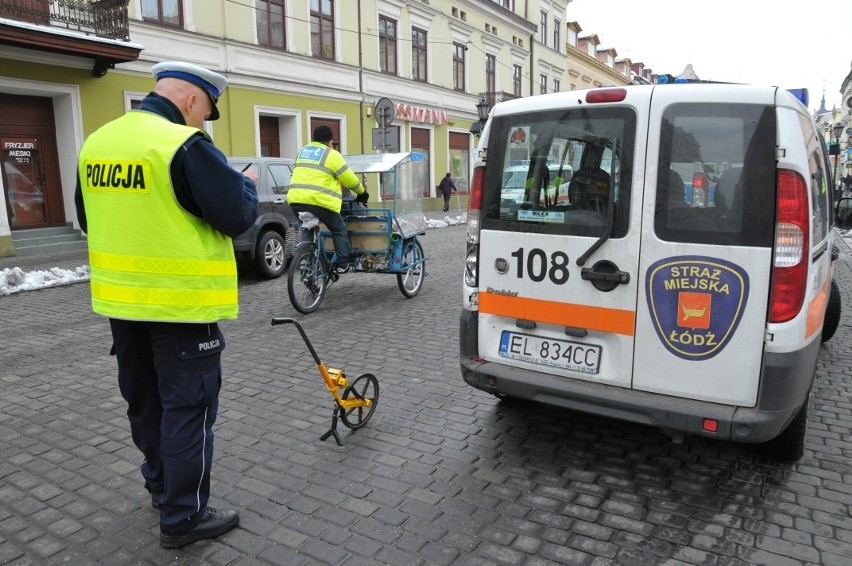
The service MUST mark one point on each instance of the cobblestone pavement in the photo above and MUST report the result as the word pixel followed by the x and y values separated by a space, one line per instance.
pixel 442 474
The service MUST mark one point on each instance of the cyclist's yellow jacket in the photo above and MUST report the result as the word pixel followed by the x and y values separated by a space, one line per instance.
pixel 149 258
pixel 319 176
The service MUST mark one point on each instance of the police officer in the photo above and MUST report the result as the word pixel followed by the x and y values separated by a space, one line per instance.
pixel 160 205
pixel 320 174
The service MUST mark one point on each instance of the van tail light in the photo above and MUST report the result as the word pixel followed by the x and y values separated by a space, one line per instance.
pixel 700 185
pixel 790 266
pixel 474 216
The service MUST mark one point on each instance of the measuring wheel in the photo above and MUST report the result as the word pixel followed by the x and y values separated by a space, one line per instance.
pixel 364 388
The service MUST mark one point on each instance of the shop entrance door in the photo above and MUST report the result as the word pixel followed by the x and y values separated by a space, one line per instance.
pixel 29 164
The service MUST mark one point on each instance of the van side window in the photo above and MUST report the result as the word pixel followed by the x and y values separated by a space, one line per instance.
pixel 817 180
pixel 712 184
pixel 561 172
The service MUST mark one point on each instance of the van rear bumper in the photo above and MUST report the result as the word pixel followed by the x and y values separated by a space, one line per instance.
pixel 785 382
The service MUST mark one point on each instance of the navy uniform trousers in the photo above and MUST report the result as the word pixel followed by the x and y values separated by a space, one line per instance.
pixel 170 375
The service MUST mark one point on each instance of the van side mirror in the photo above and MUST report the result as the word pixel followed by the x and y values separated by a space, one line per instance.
pixel 843 213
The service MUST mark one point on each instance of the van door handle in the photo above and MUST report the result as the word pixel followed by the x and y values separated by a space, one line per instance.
pixel 620 277
pixel 605 275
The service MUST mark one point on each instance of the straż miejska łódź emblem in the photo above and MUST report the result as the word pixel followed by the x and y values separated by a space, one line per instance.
pixel 696 303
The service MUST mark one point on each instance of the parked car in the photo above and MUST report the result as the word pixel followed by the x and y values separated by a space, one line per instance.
pixel 264 245
pixel 516 178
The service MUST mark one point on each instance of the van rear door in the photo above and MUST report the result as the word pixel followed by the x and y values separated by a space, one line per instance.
pixel 558 273
pixel 706 257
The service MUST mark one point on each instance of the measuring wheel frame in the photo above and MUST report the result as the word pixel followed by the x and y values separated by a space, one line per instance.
pixel 358 400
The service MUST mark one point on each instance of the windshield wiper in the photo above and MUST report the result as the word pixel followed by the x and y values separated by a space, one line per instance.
pixel 610 212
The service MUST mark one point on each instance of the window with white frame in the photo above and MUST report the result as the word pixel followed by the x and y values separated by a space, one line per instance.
pixel 543 84
pixel 387 45
pixel 516 80
pixel 169 12
pixel 543 28
pixel 557 35
pixel 490 73
pixel 458 66
pixel 571 36
pixel 322 28
pixel 270 23
pixel 418 54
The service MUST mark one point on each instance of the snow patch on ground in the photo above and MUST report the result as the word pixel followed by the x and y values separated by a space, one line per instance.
pixel 15 279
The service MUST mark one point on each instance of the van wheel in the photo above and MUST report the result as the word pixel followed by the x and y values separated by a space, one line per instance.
pixel 832 313
pixel 790 444
pixel 269 258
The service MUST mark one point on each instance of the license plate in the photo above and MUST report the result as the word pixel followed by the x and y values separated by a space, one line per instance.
pixel 565 354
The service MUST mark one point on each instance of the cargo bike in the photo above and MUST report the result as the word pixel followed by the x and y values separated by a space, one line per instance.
pixel 384 238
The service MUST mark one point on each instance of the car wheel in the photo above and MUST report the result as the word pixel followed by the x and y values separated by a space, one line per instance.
pixel 832 313
pixel 269 259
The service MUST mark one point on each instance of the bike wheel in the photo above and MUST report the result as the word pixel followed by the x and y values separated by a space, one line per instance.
pixel 411 279
pixel 306 279
pixel 365 386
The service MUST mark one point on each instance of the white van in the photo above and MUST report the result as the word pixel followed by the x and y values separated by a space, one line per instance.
pixel 685 282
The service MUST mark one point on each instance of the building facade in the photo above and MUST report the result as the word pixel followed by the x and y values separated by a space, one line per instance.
pixel 845 119
pixel 292 65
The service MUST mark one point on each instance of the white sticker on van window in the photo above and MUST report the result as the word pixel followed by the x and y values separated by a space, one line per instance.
pixel 696 303
pixel 542 216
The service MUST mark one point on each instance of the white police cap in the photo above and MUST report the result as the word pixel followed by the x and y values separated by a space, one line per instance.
pixel 211 83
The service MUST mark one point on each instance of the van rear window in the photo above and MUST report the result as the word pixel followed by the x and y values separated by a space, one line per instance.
pixel 561 172
pixel 716 174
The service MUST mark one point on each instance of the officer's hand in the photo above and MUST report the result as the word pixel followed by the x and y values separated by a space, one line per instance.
pixel 251 174
pixel 363 197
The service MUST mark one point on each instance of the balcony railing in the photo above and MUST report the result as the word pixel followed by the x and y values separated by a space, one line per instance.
pixel 101 18
pixel 493 98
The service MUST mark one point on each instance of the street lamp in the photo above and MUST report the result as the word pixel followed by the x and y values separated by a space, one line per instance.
pixel 837 130
pixel 482 111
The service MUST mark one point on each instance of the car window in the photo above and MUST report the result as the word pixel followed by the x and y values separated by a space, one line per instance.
pixel 558 172
pixel 280 174
pixel 716 174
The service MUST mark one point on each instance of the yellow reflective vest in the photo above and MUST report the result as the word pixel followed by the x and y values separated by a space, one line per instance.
pixel 149 258
pixel 319 176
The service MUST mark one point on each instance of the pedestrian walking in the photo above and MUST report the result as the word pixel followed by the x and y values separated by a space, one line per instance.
pixel 320 174
pixel 160 205
pixel 447 188
pixel 847 183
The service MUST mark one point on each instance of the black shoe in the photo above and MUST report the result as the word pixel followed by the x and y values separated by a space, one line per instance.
pixel 155 499
pixel 217 522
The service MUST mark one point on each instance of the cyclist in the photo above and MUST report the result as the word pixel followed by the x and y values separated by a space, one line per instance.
pixel 320 174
